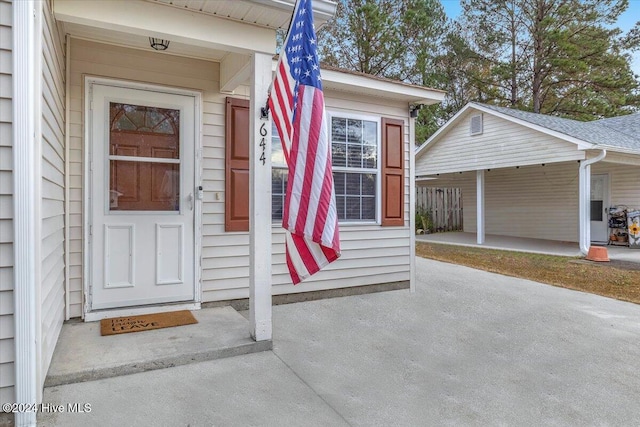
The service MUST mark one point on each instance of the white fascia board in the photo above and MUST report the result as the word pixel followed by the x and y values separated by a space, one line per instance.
pixel 180 25
pixel 611 148
pixel 364 85
pixel 622 158
pixel 323 10
pixel 387 89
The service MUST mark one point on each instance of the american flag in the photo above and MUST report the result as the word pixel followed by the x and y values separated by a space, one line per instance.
pixel 297 105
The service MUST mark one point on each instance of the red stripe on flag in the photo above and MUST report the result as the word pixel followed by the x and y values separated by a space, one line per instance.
pixel 295 278
pixel 284 97
pixel 305 254
pixel 311 157
pixel 329 253
pixel 326 190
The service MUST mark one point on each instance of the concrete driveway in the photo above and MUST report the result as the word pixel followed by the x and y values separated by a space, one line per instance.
pixel 468 348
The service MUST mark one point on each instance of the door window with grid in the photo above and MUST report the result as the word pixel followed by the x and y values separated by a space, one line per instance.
pixel 144 158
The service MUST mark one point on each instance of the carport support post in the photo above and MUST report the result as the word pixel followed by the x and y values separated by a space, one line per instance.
pixel 480 206
pixel 260 201
pixel 584 201
pixel 584 209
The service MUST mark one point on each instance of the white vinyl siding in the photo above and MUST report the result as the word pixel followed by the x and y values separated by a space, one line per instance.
pixel 371 254
pixel 623 183
pixel 52 190
pixel 539 202
pixel 96 59
pixel 128 64
pixel 501 144
pixel 7 349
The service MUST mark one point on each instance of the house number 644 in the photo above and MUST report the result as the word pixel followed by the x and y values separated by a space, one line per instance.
pixel 263 142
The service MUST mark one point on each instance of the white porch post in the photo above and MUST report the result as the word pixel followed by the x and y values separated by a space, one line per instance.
pixel 480 206
pixel 25 218
pixel 260 201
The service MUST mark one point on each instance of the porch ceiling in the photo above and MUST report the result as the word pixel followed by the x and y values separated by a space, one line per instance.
pixel 141 42
pixel 191 32
pixel 266 13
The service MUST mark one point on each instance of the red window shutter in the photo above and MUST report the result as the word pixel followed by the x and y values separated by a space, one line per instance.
pixel 392 172
pixel 236 207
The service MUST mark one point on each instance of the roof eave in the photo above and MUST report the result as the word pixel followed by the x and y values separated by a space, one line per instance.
pixel 388 89
pixel 348 82
pixel 580 144
pixel 323 10
pixel 615 149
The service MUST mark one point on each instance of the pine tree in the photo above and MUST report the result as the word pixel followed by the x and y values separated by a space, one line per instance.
pixel 388 38
pixel 557 57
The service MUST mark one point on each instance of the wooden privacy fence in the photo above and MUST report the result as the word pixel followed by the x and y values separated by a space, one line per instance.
pixel 443 206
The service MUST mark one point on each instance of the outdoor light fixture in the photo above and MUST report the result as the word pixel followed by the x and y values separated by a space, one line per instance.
pixel 413 110
pixel 158 44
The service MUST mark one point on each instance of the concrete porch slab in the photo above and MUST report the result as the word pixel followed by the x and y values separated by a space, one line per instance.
pixel 82 354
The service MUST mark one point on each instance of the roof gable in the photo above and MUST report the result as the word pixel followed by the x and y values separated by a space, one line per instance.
pixel 616 132
pixel 502 143
pixel 620 134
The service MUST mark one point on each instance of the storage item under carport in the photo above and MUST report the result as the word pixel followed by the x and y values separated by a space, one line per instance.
pixel 633 228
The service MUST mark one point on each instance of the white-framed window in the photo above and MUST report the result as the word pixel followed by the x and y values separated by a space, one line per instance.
pixel 279 174
pixel 355 151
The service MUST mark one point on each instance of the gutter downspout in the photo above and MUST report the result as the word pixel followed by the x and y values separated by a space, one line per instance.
pixel 584 197
pixel 412 204
pixel 67 178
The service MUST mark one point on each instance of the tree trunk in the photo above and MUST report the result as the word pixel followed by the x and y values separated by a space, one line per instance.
pixel 514 68
pixel 538 56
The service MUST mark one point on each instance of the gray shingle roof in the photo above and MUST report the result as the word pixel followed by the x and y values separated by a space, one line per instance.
pixel 617 132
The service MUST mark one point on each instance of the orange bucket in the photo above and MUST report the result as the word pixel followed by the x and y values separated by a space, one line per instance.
pixel 598 253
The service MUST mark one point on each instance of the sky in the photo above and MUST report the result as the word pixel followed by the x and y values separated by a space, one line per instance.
pixel 625 22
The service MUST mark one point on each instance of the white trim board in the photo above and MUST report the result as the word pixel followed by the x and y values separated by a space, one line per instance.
pixel 136 311
pixel 26 222
pixel 89 81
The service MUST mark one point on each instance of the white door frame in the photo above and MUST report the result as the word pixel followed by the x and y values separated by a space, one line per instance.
pixel 606 202
pixel 89 315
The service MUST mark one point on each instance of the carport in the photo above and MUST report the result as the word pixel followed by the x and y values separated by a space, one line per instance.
pixel 533 176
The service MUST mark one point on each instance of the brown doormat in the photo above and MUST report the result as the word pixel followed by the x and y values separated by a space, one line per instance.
pixel 145 322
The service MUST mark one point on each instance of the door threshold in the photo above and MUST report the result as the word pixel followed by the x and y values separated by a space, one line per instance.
pixel 96 315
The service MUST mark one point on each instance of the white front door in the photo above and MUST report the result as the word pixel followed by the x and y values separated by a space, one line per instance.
pixel 599 205
pixel 141 197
